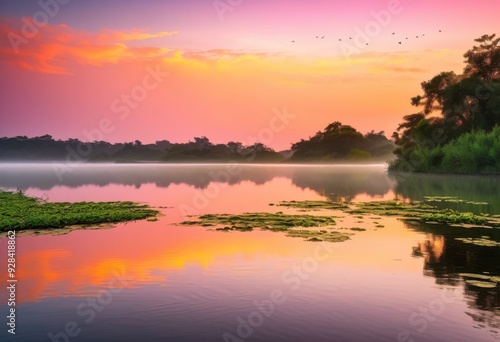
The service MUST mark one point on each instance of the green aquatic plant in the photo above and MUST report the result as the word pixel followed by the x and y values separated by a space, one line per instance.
pixel 481 284
pixel 451 199
pixel 314 235
pixel 452 216
pixel 277 222
pixel 270 221
pixel 475 276
pixel 328 205
pixel 419 211
pixel 479 242
pixel 18 212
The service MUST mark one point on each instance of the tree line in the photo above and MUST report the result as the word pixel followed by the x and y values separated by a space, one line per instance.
pixel 336 143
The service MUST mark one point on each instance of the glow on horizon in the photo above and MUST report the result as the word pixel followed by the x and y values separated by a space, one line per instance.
pixel 226 77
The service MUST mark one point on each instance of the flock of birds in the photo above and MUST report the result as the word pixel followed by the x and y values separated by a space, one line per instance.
pixel 393 33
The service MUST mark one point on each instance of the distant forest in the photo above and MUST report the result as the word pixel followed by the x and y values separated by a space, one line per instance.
pixel 337 143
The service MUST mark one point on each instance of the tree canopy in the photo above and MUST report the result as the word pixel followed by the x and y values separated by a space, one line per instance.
pixel 452 105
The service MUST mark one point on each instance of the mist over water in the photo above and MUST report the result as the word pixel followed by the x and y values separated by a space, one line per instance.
pixel 178 283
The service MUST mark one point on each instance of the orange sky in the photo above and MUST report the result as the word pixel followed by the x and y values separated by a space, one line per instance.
pixel 223 78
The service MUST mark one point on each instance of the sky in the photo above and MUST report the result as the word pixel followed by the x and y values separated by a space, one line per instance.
pixel 232 70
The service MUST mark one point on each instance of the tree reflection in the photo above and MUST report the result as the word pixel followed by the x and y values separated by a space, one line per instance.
pixel 333 182
pixel 470 188
pixel 445 257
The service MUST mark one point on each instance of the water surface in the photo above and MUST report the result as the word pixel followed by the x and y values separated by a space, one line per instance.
pixel 157 281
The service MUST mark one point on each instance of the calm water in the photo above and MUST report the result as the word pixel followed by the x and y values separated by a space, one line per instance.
pixel 156 281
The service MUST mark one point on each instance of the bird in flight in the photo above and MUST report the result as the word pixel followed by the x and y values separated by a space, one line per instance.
pixel 399 42
pixel 323 37
pixel 293 41
pixel 439 30
pixel 393 32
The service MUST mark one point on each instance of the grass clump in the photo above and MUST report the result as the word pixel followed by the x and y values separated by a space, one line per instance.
pixel 277 222
pixel 18 212
pixel 317 236
pixel 452 216
pixel 484 242
pixel 414 211
pixel 270 221
pixel 313 205
pixel 481 284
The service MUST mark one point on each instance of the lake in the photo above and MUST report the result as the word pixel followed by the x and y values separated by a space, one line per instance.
pixel 159 281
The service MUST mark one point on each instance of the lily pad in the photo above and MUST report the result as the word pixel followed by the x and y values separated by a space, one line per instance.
pixel 479 242
pixel 475 276
pixel 274 222
pixel 315 235
pixel 481 284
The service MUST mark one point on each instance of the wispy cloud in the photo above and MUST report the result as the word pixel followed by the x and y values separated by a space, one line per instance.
pixel 55 47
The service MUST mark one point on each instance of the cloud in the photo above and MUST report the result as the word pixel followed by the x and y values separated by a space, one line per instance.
pixel 57 49
pixel 53 48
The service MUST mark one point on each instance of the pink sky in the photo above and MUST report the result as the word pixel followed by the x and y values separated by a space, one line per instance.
pixel 225 74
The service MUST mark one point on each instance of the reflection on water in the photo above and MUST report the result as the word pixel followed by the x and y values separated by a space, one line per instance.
pixel 469 188
pixel 336 183
pixel 192 284
pixel 445 258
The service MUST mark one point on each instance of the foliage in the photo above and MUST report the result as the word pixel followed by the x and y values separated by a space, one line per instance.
pixel 271 221
pixel 342 142
pixel 18 211
pixel 420 211
pixel 471 153
pixel 337 142
pixel 451 216
pixel 277 222
pixel 453 106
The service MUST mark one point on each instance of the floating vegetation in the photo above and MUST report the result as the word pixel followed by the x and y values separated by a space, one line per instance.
pixel 313 205
pixel 496 279
pixel 270 221
pixel 451 199
pixel 274 222
pixel 479 242
pixel 416 211
pixel 18 211
pixel 379 226
pixel 481 280
pixel 482 284
pixel 452 216
pixel 358 229
pixel 475 276
pixel 314 235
